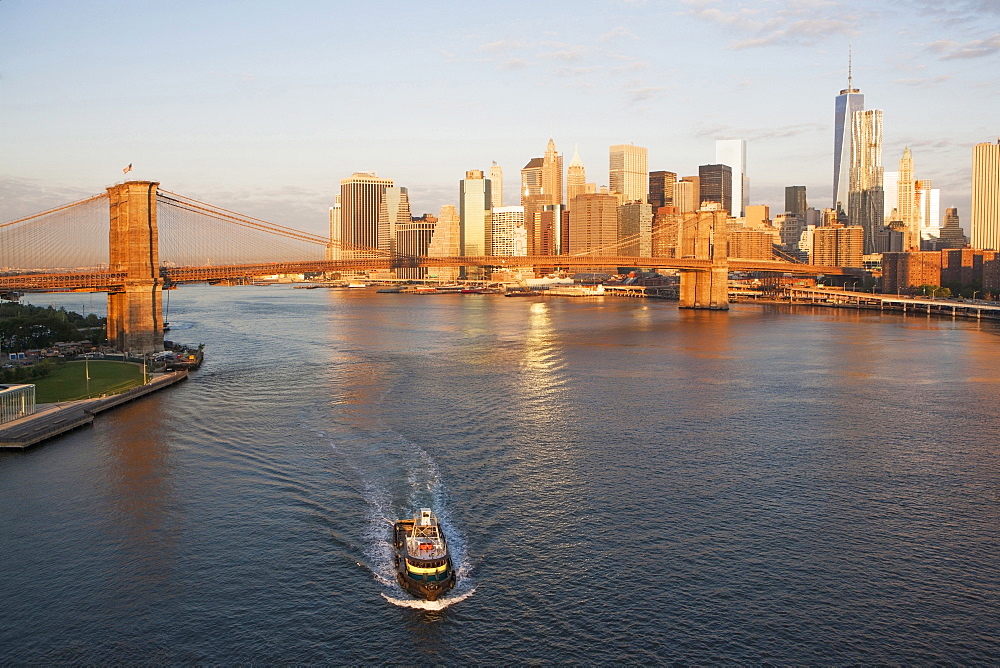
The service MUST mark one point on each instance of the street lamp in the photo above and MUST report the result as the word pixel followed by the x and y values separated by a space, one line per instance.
pixel 974 293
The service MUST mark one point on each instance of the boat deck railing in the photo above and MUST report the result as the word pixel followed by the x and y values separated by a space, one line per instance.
pixel 436 552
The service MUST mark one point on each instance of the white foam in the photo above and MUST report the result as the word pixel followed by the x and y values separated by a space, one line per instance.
pixel 439 604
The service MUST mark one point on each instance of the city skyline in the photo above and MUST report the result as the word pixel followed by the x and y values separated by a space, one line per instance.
pixel 268 112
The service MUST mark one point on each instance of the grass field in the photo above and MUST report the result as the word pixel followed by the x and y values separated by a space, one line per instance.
pixel 69 382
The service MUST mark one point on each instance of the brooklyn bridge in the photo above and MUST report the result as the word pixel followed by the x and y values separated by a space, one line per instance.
pixel 136 239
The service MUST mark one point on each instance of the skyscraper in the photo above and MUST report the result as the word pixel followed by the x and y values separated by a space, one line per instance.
pixel 361 198
pixel 552 174
pixel 593 223
pixel 394 210
pixel 907 210
pixel 986 196
pixel 795 200
pixel 333 250
pixel 474 213
pixel 951 232
pixel 496 185
pixel 446 242
pixel 849 101
pixel 716 183
pixel 661 189
pixel 628 175
pixel 733 152
pixel 508 236
pixel 865 198
pixel 576 178
pixel 687 194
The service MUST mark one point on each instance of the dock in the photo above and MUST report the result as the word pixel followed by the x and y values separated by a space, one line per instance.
pixel 51 420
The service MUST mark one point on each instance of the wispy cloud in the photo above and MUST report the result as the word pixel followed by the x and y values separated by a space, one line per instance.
pixel 618 32
pixel 759 134
pixel 924 82
pixel 645 93
pixel 789 22
pixel 979 48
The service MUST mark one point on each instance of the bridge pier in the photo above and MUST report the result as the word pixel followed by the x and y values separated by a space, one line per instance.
pixel 135 313
pixel 703 236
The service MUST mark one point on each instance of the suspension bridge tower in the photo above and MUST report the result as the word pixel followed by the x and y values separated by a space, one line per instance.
pixel 135 314
pixel 704 237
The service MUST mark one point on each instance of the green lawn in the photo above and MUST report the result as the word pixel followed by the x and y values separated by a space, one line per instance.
pixel 69 382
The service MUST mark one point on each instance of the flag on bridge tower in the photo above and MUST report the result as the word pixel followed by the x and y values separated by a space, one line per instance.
pixel 127 169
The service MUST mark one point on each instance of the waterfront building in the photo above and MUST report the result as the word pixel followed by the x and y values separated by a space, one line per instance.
pixel 576 178
pixel 413 239
pixel 552 174
pixel 593 223
pixel 333 249
pixel 905 272
pixel 928 205
pixel 716 185
pixel 758 216
pixel 907 210
pixel 508 235
pixel 985 219
pixel 890 190
pixel 733 152
pixel 751 244
pixel 838 246
pixel 474 211
pixel 865 198
pixel 496 185
pixel 791 227
pixel 446 242
pixel 552 230
pixel 849 102
pixel 687 194
pixel 393 210
pixel 891 238
pixel 628 173
pixel 661 189
pixel 361 197
pixel 795 200
pixel 951 235
pixel 635 229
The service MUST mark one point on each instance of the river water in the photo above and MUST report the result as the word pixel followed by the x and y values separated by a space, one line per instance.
pixel 620 481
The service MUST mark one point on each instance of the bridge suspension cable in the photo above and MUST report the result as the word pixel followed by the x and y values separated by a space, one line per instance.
pixel 69 237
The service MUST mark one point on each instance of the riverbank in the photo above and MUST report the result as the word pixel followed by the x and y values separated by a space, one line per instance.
pixel 51 420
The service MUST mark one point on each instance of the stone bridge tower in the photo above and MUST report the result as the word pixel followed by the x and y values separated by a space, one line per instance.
pixel 704 236
pixel 135 315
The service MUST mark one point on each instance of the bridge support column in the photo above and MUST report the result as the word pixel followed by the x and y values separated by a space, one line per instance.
pixel 703 236
pixel 135 314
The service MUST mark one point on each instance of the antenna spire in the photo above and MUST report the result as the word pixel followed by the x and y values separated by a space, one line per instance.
pixel 850 86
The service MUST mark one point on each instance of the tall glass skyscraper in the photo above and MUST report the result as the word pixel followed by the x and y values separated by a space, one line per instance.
pixel 733 152
pixel 849 101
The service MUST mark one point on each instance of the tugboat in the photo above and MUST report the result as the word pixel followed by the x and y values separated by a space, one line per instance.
pixel 423 565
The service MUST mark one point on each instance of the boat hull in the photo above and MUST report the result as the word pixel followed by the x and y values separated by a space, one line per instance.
pixel 431 581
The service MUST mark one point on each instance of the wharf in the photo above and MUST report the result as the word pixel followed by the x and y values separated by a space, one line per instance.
pixel 51 420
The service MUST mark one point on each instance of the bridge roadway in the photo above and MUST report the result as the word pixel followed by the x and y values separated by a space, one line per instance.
pixel 108 281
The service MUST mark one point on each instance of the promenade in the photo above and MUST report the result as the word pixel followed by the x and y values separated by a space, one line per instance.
pixel 51 420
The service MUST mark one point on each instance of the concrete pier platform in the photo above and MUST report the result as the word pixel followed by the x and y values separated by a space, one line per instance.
pixel 51 420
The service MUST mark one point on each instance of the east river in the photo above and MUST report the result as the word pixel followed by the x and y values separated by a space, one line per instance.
pixel 621 481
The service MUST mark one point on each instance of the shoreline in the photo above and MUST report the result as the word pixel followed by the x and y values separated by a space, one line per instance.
pixel 52 420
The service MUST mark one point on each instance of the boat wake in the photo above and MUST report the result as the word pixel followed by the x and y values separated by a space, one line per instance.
pixel 439 604
pixel 395 477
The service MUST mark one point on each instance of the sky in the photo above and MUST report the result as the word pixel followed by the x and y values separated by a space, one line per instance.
pixel 263 107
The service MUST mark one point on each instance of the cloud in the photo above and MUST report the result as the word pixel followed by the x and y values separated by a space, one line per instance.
pixel 570 55
pixel 760 134
pixel 792 22
pixel 949 50
pixel 502 46
pixel 513 64
pixel 644 93
pixel 616 33
pixel 924 82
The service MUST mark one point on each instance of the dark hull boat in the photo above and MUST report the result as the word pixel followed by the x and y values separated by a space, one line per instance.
pixel 423 565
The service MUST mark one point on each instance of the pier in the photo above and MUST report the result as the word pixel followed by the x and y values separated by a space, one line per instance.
pixel 51 420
